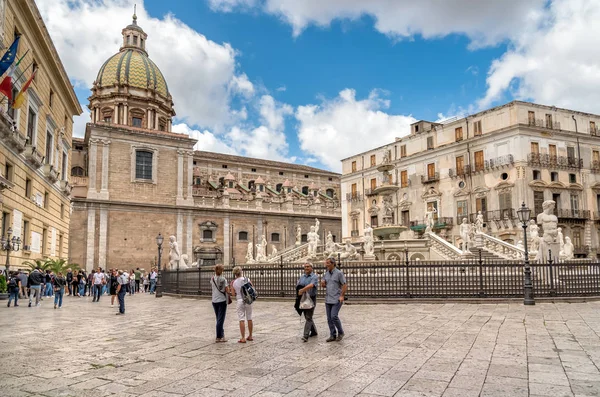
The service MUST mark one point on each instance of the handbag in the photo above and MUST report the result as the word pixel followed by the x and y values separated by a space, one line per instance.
pixel 224 293
pixel 306 302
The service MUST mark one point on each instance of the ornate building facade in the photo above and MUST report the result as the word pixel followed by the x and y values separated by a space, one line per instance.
pixel 134 178
pixel 491 162
pixel 35 141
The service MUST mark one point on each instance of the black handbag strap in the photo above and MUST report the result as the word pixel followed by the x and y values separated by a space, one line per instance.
pixel 213 280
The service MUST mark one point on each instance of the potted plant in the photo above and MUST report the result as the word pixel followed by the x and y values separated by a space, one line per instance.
pixel 3 288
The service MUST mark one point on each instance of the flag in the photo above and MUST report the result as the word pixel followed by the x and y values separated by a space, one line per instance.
pixel 6 85
pixel 9 56
pixel 21 95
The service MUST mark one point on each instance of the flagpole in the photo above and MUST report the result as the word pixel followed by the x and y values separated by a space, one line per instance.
pixel 23 72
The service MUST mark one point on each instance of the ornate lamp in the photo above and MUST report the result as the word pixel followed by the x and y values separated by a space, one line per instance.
pixel 159 243
pixel 524 214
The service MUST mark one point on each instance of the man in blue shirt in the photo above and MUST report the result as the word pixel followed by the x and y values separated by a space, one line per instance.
pixel 308 283
pixel 335 286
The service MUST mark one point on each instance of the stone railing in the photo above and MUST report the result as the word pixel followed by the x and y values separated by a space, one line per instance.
pixel 261 205
pixel 499 247
pixel 443 248
pixel 290 255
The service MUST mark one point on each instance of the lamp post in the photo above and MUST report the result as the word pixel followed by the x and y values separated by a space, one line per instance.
pixel 524 214
pixel 9 245
pixel 159 243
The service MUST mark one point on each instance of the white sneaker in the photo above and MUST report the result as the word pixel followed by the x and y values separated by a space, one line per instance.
pixel 112 305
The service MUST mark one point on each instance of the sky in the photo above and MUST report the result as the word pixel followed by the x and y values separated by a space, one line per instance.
pixel 316 81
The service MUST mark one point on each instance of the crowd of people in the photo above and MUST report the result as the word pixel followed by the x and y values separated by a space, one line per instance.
pixel 242 290
pixel 39 284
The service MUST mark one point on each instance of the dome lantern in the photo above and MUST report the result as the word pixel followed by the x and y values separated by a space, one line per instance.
pixel 134 36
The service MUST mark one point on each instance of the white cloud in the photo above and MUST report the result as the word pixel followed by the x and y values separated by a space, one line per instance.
pixel 87 32
pixel 344 126
pixel 484 22
pixel 556 63
pixel 207 141
pixel 79 122
pixel 282 88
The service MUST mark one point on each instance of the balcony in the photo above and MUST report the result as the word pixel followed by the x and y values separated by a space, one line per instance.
pixel 50 173
pixel 430 178
pixel 5 183
pixel 13 138
pixel 370 192
pixel 500 162
pixel 504 218
pixel 566 215
pixel 354 197
pixel 541 123
pixel 551 161
pixel 459 172
pixel 440 223
pixel 32 156
pixel 66 187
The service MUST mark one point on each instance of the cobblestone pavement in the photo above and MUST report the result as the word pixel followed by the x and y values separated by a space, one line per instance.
pixel 166 348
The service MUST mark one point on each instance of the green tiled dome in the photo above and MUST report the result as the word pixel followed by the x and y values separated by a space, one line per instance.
pixel 133 68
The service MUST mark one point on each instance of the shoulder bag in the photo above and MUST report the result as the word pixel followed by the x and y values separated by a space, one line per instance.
pixel 224 293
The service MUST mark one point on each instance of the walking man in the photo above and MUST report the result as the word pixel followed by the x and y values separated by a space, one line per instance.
pixel 152 280
pixel 59 289
pixel 121 291
pixel 23 278
pixel 70 281
pixel 308 283
pixel 335 286
pixel 99 280
pixel 36 279
pixel 138 277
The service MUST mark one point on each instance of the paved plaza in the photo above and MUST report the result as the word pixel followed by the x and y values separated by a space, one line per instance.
pixel 165 347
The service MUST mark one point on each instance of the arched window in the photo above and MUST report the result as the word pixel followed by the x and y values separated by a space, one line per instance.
pixel 207 234
pixel 243 236
pixel 274 237
pixel 143 165
pixel 279 187
pixel 329 193
pixel 77 171
pixel 305 190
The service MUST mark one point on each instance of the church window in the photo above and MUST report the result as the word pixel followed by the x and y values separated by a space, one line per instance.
pixel 207 234
pixel 143 165
pixel 243 236
pixel 274 237
pixel 136 121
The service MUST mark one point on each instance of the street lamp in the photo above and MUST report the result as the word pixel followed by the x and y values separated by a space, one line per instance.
pixel 9 245
pixel 524 214
pixel 159 243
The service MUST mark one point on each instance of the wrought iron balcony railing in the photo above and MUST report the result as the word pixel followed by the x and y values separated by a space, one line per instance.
pixel 553 125
pixel 430 178
pixel 459 172
pixel 572 214
pixel 551 161
pixel 354 197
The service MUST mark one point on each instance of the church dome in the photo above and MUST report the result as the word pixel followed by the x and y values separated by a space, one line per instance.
pixel 134 68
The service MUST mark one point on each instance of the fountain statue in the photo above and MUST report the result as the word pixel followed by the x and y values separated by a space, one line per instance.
pixel 569 249
pixel 298 235
pixel 368 244
pixel 173 253
pixel 465 234
pixel 549 241
pixel 250 254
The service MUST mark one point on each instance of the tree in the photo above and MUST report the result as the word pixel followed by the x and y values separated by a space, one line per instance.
pixel 60 265
pixel 38 263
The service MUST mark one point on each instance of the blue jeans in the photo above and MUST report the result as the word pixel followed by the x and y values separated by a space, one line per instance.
pixel 121 296
pixel 13 294
pixel 58 295
pixel 220 311
pixel 333 320
pixel 48 289
pixel 81 289
pixel 97 290
pixel 152 286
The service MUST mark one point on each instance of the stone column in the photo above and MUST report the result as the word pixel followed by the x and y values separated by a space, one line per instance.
pixel 105 159
pixel 115 118
pixel 91 239
pixel 155 120
pixel 149 118
pixel 92 192
pixel 179 234
pixel 188 237
pixel 190 177
pixel 125 115
pixel 169 124
pixel 226 241
pixel 179 199
pixel 102 238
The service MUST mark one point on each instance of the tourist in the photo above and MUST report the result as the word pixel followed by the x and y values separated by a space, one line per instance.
pixel 13 286
pixel 131 284
pixel 114 283
pixel 81 279
pixel 49 280
pixel 23 278
pixel 138 277
pixel 335 286
pixel 59 289
pixel 88 284
pixel 308 283
pixel 244 310
pixel 75 283
pixel 35 281
pixel 145 282
pixel 123 281
pixel 153 275
pixel 99 281
pixel 70 282
pixel 220 299
pixel 105 283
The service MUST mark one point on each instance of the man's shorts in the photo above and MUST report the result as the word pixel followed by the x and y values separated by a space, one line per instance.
pixel 244 311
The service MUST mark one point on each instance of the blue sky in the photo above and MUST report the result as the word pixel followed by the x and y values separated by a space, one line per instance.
pixel 315 81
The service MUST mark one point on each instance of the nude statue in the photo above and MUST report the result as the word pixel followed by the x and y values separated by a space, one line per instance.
pixel 429 220
pixel 535 237
pixel 174 253
pixel 329 244
pixel 250 254
pixel 561 239
pixel 368 241
pixel 298 235
pixel 479 222
pixel 465 234
pixel 569 249
pixel 549 223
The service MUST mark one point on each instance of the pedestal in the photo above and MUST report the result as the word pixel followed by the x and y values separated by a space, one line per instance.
pixel 478 240
pixel 369 257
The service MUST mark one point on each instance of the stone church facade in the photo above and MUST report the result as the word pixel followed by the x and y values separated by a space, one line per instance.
pixel 133 178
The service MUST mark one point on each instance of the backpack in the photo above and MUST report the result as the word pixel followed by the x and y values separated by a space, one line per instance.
pixel 248 292
pixel 12 284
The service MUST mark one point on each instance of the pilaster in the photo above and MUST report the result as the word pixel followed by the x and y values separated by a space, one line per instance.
pixel 104 177
pixel 226 242
pixel 91 239
pixel 188 236
pixel 179 199
pixel 103 237
pixel 180 231
pixel 93 160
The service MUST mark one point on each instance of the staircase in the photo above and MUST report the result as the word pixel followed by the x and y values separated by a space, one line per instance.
pixel 293 254
pixel 497 248
pixel 444 248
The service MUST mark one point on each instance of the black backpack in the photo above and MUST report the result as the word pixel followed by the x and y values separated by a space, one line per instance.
pixel 12 284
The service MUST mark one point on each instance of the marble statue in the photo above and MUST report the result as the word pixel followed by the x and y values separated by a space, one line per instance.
pixel 520 246
pixel 184 262
pixel 388 206
pixel 298 235
pixel 387 154
pixel 369 244
pixel 313 242
pixel 465 234
pixel 549 240
pixel 250 254
pixel 569 249
pixel 329 244
pixel 174 253
pixel 345 251
pixel 261 250
pixel 429 220
pixel 561 239
pixel 535 236
pixel 273 251
pixel 317 224
pixel 479 222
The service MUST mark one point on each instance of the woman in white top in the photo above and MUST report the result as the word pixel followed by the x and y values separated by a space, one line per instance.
pixel 244 311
